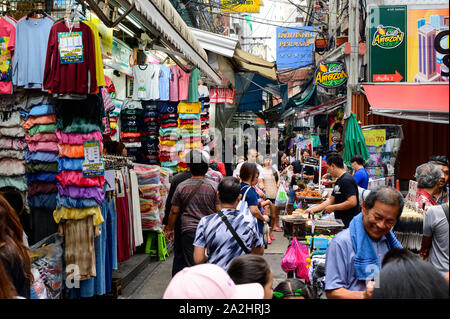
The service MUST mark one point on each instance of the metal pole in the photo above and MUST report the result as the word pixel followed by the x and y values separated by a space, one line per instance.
pixel 353 31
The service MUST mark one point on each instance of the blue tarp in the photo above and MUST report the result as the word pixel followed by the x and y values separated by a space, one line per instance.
pixel 249 88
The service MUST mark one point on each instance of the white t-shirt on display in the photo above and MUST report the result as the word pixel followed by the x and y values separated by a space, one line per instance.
pixel 146 82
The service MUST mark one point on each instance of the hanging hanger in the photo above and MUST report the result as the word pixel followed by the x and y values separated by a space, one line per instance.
pixel 36 12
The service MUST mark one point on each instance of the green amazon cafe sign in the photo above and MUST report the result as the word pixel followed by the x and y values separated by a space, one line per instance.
pixel 330 75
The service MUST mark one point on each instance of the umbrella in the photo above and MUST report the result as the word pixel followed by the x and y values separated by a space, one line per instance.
pixel 354 143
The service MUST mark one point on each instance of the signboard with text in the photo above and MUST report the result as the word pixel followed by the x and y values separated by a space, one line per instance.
pixel 375 137
pixel 295 47
pixel 330 75
pixel 387 46
pixel 248 6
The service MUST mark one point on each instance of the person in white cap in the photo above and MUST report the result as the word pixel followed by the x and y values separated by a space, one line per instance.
pixel 209 281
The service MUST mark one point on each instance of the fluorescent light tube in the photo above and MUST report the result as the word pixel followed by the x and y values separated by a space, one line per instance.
pixel 121 11
pixel 126 30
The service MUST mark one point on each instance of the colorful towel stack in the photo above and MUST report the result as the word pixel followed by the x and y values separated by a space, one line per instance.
pixel 150 133
pixel 150 200
pixel 168 135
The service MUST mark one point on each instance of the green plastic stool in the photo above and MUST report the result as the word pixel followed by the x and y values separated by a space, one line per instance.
pixel 151 244
pixel 162 248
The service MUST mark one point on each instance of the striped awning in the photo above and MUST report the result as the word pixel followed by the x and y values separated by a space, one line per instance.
pixel 161 18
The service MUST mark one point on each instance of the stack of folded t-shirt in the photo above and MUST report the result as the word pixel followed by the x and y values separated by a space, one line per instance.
pixel 150 133
pixel 78 197
pixel 41 155
pixel 168 135
pixel 204 100
pixel 131 126
pixel 190 134
pixel 12 145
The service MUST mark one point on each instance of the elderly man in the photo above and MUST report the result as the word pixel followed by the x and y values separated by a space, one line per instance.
pixel 354 256
pixel 442 162
pixel 427 177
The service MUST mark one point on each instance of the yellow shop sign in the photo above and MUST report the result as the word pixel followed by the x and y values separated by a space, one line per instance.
pixel 233 6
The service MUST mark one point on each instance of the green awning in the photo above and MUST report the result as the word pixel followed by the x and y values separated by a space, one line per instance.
pixel 354 143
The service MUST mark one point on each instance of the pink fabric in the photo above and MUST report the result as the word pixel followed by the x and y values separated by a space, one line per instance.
pixel 173 83
pixel 183 84
pixel 77 138
pixel 43 146
pixel 76 178
pixel 41 137
pixel 7 30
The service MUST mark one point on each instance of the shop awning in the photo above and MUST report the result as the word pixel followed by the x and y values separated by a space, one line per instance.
pixel 252 63
pixel 160 17
pixel 428 102
pixel 216 43
pixel 324 108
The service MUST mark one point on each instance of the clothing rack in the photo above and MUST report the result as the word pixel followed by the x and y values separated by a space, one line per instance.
pixel 115 161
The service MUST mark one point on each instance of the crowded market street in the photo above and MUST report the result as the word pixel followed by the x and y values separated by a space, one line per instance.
pixel 215 158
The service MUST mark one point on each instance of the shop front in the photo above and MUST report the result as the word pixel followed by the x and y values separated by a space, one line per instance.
pixel 92 135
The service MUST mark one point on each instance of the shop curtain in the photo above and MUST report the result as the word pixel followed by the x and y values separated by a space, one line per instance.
pixel 354 141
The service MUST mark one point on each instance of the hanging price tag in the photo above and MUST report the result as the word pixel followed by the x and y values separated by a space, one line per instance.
pixel 70 47
pixel 93 165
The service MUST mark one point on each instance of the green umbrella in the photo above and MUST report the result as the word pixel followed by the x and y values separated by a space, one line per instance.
pixel 354 142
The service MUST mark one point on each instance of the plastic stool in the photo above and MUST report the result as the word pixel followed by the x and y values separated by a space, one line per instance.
pixel 151 244
pixel 162 248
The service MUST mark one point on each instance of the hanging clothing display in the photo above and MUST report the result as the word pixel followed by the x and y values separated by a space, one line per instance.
pixel 70 60
pixel 31 41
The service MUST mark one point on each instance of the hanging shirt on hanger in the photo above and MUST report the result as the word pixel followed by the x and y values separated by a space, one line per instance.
pixel 30 50
pixel 7 43
pixel 173 83
pixel 164 80
pixel 100 75
pixel 70 63
pixel 143 81
pixel 183 85
pixel 193 85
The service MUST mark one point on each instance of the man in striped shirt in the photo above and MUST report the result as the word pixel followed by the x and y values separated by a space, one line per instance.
pixel 213 236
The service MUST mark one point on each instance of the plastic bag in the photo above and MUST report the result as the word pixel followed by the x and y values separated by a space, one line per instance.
pixel 281 199
pixel 243 205
pixel 302 264
pixel 47 259
pixel 289 261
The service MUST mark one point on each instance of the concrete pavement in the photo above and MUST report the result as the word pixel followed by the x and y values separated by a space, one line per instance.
pixel 152 282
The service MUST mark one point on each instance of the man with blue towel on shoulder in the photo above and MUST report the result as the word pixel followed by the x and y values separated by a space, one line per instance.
pixel 354 256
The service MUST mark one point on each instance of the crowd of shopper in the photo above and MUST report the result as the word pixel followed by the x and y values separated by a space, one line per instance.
pixel 232 238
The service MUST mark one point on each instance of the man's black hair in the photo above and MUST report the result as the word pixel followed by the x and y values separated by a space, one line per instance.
pixel 229 189
pixel 358 159
pixel 439 159
pixel 386 195
pixel 336 159
pixel 303 151
pixel 410 278
pixel 198 165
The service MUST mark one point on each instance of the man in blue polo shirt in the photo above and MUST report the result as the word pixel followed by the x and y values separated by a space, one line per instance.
pixel 354 256
pixel 361 177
